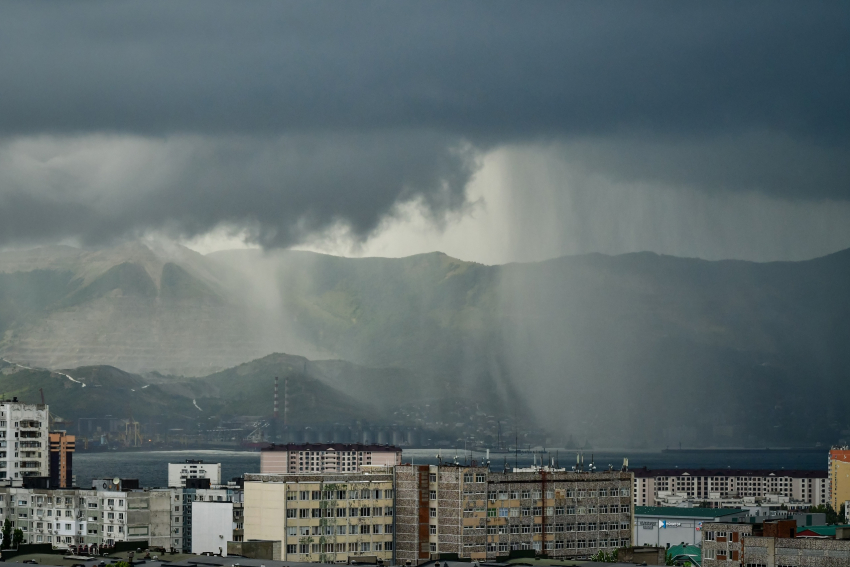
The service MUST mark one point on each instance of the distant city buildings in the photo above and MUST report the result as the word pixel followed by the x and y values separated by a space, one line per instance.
pixel 179 473
pixel 663 526
pixel 326 457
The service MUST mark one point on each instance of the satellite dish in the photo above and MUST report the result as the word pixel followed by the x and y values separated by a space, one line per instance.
pixel 116 480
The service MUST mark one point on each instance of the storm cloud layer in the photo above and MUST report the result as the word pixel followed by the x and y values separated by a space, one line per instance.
pixel 287 119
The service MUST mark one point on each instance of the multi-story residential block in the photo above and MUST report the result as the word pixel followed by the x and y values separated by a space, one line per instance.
pixel 86 517
pixel 723 488
pixel 838 465
pixel 323 518
pixel 23 439
pixel 722 544
pixel 182 514
pixel 326 458
pixel 482 515
pixel 192 469
pixel 62 448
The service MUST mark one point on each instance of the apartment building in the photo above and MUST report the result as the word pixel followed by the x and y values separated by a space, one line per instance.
pixel 326 458
pixel 483 515
pixel 183 513
pixel 86 517
pixel 193 469
pixel 23 439
pixel 62 448
pixel 722 544
pixel 838 466
pixel 724 488
pixel 322 518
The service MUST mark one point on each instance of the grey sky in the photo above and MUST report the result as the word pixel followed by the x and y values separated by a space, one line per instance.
pixel 289 118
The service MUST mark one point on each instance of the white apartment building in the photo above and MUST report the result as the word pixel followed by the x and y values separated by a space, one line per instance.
pixel 729 487
pixel 326 457
pixel 81 517
pixel 191 469
pixel 24 444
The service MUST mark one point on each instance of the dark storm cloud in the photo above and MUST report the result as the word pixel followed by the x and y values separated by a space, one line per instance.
pixel 409 84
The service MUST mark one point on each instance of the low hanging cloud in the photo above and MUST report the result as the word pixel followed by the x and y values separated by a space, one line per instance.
pixel 286 119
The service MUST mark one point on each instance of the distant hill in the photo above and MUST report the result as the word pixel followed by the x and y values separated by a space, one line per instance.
pixel 626 350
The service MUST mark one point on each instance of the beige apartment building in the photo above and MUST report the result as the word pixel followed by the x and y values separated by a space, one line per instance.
pixel 726 488
pixel 483 515
pixel 322 518
pixel 326 457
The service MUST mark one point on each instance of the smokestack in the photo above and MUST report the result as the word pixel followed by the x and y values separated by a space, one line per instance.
pixel 275 398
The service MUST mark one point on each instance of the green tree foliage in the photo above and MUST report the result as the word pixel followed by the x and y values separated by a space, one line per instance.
pixel 7 534
pixel 122 564
pixel 832 517
pixel 603 556
pixel 17 537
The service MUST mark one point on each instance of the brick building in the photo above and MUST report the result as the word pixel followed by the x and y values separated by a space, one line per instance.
pixel 483 515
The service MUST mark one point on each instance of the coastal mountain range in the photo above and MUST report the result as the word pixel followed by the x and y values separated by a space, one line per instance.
pixel 631 350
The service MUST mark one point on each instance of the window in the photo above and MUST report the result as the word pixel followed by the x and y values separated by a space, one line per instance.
pixel 503 512
pixel 432 477
pixel 433 512
pixel 432 495
pixel 432 529
pixel 479 478
pixel 291 513
pixel 291 548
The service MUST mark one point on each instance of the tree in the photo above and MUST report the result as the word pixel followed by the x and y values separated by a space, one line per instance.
pixel 603 556
pixel 17 537
pixel 832 517
pixel 7 534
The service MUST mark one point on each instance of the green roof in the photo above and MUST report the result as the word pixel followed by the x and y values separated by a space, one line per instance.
pixel 689 550
pixel 826 531
pixel 686 512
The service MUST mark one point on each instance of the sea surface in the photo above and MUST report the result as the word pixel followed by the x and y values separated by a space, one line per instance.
pixel 151 467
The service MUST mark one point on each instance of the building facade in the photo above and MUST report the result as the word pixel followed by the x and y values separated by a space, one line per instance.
pixel 838 465
pixel 23 439
pixel 322 518
pixel 729 487
pixel 182 514
pixel 483 515
pixel 326 458
pixel 799 552
pixel 723 544
pixel 192 469
pixel 663 526
pixel 212 527
pixel 61 463
pixel 86 517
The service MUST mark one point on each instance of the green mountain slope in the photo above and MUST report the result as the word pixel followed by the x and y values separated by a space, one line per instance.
pixel 631 349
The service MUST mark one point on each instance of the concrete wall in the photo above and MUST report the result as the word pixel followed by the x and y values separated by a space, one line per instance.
pixel 268 550
pixel 212 527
